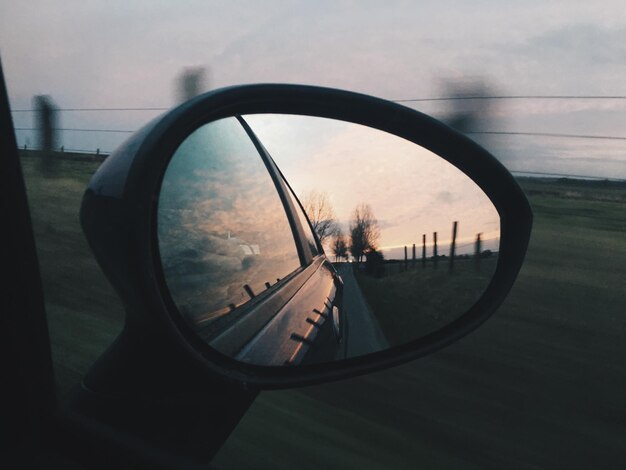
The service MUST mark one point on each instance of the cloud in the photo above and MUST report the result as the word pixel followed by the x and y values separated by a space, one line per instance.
pixel 580 44
pixel 90 54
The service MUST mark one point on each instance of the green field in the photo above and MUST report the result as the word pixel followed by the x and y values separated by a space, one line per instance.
pixel 540 385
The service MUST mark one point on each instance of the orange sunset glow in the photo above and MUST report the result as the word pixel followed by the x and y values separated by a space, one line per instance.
pixel 411 190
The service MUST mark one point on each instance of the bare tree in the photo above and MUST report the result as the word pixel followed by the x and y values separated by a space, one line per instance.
pixel 339 246
pixel 364 232
pixel 321 214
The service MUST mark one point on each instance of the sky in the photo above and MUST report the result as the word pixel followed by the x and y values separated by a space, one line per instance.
pixel 92 54
pixel 411 190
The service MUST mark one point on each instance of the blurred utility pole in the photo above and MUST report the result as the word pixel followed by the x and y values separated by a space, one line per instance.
pixel 46 125
pixel 435 254
pixel 191 82
pixel 470 109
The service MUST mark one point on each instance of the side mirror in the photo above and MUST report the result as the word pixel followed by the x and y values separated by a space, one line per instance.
pixel 198 222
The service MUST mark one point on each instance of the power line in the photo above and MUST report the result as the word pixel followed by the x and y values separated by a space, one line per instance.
pixel 94 152
pixel 514 97
pixel 532 134
pixel 404 100
pixel 92 109
pixel 563 175
pixel 77 130
pixel 515 172
pixel 550 134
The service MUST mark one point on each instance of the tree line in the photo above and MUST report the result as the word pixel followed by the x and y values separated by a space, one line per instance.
pixel 364 231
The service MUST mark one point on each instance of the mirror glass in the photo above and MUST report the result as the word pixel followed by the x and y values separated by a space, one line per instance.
pixel 289 240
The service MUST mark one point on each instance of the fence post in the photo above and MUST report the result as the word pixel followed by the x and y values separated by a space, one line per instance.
pixel 477 250
pixel 413 261
pixel 455 225
pixel 406 263
pixel 423 250
pixel 435 249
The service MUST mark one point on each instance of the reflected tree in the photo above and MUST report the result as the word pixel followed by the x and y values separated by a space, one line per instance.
pixel 339 246
pixel 364 232
pixel 321 214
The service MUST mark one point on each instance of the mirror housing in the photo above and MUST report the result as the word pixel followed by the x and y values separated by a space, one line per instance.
pixel 119 209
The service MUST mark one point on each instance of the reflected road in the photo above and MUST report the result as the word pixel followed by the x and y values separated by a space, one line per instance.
pixel 363 333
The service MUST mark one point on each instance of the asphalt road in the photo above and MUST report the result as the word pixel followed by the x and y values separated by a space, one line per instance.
pixel 363 334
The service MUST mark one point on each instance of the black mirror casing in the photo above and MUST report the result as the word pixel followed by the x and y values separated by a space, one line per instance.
pixel 159 379
pixel 119 211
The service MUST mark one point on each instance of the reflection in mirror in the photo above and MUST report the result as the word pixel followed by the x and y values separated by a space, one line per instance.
pixel 224 236
pixel 410 243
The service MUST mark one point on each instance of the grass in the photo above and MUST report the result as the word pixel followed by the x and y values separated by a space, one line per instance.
pixel 540 385
pixel 411 304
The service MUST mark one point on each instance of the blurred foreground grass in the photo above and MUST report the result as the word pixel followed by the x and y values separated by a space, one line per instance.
pixel 540 385
pixel 84 312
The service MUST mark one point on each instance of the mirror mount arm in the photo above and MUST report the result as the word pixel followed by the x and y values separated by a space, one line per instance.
pixel 145 393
